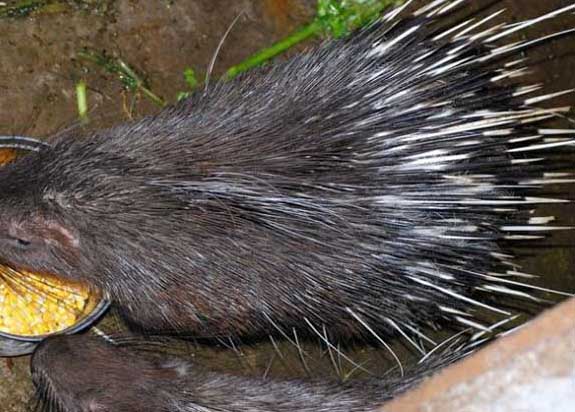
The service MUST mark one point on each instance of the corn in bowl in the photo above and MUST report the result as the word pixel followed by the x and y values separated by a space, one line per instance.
pixel 34 305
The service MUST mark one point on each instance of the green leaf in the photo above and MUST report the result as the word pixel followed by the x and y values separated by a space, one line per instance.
pixel 190 77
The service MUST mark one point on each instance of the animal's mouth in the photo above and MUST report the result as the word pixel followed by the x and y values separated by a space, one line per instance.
pixel 16 266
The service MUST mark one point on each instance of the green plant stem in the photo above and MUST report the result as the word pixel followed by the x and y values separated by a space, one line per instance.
pixel 266 54
pixel 82 101
pixel 337 25
pixel 158 101
pixel 128 76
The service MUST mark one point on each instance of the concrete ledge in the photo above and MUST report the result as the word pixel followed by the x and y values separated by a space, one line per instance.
pixel 532 369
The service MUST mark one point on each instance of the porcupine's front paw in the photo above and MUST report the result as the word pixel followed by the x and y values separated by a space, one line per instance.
pixel 86 373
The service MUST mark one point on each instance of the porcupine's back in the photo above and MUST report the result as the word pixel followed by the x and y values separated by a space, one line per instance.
pixel 363 187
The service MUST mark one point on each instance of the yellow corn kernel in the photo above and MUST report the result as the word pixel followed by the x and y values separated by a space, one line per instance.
pixel 32 304
pixel 7 155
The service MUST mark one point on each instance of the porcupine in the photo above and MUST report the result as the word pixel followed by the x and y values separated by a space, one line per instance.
pixel 361 189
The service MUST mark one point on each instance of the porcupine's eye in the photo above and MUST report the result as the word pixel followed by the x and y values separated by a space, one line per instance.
pixel 27 243
pixel 20 243
pixel 19 238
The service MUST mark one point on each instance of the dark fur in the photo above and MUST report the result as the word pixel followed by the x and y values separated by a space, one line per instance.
pixel 88 374
pixel 259 200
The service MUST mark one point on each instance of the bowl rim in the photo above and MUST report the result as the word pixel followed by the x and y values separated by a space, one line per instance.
pixel 22 143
